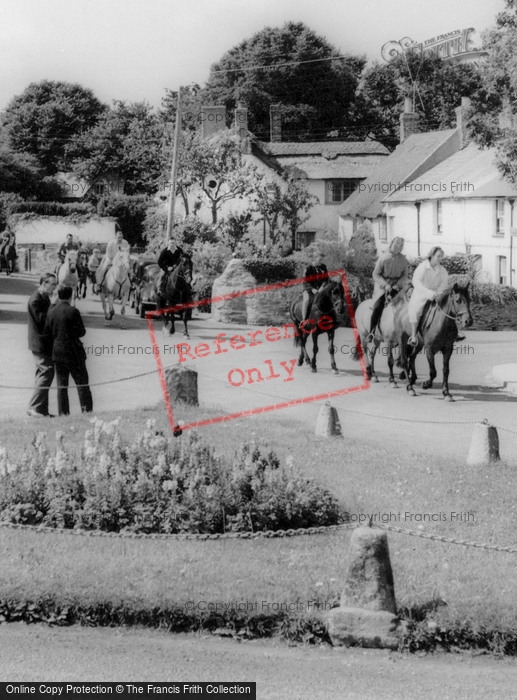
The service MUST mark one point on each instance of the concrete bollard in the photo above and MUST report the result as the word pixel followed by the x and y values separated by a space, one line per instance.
pixel 367 612
pixel 328 424
pixel 484 446
pixel 182 385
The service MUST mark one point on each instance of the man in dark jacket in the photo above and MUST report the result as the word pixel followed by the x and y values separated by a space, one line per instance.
pixel 37 309
pixel 65 327
pixel 167 261
pixel 317 267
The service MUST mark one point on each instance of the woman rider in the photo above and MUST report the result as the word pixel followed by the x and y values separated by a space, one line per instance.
pixel 430 279
pixel 390 277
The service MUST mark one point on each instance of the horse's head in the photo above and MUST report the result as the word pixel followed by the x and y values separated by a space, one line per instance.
pixel 337 296
pixel 122 260
pixel 71 259
pixel 460 301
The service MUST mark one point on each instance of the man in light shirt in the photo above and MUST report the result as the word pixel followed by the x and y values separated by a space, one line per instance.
pixel 119 243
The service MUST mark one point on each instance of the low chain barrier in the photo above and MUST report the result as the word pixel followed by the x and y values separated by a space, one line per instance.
pixel 267 534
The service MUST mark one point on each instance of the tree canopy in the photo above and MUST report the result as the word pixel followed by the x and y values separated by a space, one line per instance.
pixel 309 78
pixel 46 116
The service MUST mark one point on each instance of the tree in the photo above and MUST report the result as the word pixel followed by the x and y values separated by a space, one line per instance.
pixel 191 104
pixel 46 116
pixel 128 139
pixel 291 66
pixel 493 118
pixel 217 167
pixel 435 86
pixel 22 174
pixel 284 209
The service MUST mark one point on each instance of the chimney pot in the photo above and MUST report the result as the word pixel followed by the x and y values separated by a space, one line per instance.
pixel 275 120
pixel 408 120
pixel 408 105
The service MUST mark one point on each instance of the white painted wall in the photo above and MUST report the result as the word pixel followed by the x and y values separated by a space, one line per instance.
pixel 51 231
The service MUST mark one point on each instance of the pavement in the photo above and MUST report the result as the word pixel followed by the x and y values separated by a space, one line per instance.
pixel 258 372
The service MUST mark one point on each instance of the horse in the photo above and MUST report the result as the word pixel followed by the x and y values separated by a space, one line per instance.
pixel 144 286
pixel 116 285
pixel 8 258
pixel 67 275
pixel 327 306
pixel 385 331
pixel 178 290
pixel 437 331
pixel 82 272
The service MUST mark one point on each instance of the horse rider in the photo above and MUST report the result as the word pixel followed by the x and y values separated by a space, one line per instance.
pixel 390 276
pixel 310 288
pixel 113 247
pixel 70 244
pixel 168 260
pixel 430 279
pixel 94 262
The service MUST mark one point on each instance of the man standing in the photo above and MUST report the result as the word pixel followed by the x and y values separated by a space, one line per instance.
pixel 112 249
pixel 167 261
pixel 65 327
pixel 317 267
pixel 37 308
pixel 93 265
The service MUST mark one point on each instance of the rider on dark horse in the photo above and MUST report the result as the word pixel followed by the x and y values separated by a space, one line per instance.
pixel 317 267
pixel 168 260
pixel 390 276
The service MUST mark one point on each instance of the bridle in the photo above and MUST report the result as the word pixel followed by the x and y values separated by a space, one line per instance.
pixel 335 297
pixel 456 311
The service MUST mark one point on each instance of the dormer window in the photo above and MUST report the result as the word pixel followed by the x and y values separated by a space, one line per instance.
pixel 336 191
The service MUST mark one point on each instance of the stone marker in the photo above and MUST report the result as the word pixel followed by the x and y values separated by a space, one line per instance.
pixel 235 278
pixel 182 385
pixel 328 423
pixel 367 612
pixel 484 446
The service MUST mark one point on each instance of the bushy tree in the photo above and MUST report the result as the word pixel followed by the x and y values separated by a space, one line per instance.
pixel 46 116
pixel 308 77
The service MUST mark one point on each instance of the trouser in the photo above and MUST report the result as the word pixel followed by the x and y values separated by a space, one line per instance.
pixel 44 378
pixel 80 376
pixel 377 310
pixel 306 302
pixel 163 284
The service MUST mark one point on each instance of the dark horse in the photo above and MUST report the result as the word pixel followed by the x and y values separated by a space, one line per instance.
pixel 82 273
pixel 8 257
pixel 437 331
pixel 178 291
pixel 327 306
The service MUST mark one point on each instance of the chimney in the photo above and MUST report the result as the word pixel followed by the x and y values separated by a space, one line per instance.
pixel 408 120
pixel 213 119
pixel 275 120
pixel 460 120
pixel 241 125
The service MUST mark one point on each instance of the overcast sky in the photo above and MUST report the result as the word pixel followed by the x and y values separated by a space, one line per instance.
pixel 134 49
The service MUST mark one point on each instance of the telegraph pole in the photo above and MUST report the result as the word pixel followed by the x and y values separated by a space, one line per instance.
pixel 174 170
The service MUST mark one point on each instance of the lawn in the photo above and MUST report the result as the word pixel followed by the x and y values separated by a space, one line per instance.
pixel 461 586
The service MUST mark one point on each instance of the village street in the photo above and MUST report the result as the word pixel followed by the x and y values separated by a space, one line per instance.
pixel 423 423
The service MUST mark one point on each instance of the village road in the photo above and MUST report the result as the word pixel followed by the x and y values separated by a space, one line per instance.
pixel 423 423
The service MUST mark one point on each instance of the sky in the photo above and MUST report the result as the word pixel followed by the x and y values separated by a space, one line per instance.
pixel 134 49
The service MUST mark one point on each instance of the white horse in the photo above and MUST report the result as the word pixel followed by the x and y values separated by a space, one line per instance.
pixel 116 285
pixel 68 275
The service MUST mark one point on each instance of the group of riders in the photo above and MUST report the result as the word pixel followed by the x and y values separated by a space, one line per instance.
pixel 97 265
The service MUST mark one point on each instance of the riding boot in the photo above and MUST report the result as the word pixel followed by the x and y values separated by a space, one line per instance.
pixel 377 310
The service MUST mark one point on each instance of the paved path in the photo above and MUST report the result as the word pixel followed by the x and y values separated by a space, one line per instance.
pixel 114 354
pixel 37 653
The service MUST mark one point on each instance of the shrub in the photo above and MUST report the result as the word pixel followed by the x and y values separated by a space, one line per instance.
pixel 155 484
pixel 270 270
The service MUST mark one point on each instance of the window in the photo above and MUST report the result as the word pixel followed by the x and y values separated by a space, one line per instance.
pixel 391 227
pixel 304 238
pixel 383 229
pixel 336 191
pixel 99 188
pixel 499 217
pixel 439 217
pixel 501 269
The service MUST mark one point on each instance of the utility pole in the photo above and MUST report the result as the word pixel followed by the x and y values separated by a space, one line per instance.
pixel 174 170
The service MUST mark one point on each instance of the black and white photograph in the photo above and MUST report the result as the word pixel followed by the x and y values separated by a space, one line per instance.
pixel 258 349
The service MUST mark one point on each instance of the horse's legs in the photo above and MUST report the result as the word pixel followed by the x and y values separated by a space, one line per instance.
pixel 314 351
pixel 432 371
pixel 372 351
pixel 332 351
pixel 445 386
pixel 391 362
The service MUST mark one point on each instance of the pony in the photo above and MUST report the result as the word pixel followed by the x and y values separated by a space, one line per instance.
pixel 68 275
pixel 385 331
pixel 116 285
pixel 82 272
pixel 144 295
pixel 178 291
pixel 327 306
pixel 437 331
